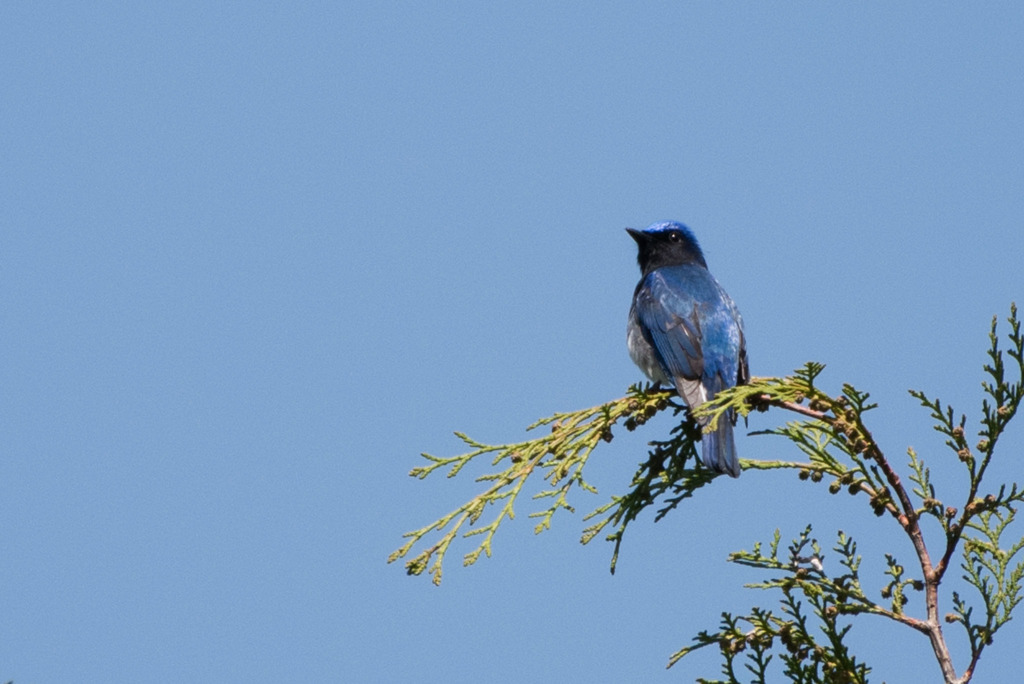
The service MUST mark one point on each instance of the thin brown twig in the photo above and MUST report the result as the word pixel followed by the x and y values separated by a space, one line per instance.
pixel 790 406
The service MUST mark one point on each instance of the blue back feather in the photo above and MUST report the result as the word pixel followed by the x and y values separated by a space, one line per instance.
pixel 696 334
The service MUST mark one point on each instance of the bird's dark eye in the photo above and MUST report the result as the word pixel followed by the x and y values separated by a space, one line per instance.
pixel 675 236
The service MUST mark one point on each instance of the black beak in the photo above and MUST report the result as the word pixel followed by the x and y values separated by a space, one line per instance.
pixel 638 235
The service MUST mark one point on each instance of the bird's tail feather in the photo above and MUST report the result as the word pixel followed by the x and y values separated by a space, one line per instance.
pixel 718 449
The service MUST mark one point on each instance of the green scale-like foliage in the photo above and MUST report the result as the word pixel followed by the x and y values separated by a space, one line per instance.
pixel 805 635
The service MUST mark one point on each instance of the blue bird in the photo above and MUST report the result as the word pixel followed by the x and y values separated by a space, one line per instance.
pixel 685 331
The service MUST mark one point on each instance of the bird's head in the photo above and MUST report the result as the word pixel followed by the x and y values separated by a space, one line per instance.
pixel 666 244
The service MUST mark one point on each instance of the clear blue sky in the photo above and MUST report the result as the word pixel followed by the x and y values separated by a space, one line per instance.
pixel 255 258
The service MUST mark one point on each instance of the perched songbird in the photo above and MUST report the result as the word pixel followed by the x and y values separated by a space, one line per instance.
pixel 685 331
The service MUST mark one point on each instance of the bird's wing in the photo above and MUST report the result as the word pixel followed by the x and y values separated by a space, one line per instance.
pixel 743 373
pixel 669 317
